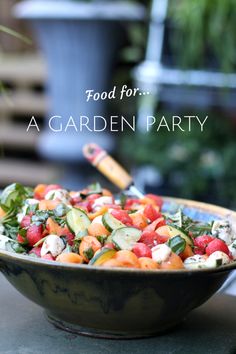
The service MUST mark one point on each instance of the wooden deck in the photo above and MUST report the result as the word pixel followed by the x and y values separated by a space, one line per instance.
pixel 23 78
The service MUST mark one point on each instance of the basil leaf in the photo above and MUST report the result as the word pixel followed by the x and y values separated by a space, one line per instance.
pixel 89 253
pixel 177 244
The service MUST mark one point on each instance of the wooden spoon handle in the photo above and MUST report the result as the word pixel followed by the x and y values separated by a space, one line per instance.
pixel 107 166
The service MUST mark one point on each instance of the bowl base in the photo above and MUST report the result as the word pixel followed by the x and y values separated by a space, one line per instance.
pixel 103 334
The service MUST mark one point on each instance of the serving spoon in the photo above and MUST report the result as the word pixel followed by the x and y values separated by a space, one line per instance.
pixel 110 168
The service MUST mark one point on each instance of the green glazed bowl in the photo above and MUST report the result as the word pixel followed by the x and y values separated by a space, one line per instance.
pixel 117 302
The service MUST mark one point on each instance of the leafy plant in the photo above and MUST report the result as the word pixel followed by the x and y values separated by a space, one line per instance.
pixel 194 164
pixel 201 27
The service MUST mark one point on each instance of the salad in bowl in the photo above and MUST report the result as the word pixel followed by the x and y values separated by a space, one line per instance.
pixel 92 227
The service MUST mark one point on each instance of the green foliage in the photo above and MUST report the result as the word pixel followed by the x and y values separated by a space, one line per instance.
pixel 195 164
pixel 204 33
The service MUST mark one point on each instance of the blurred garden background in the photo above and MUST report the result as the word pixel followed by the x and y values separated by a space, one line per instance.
pixel 182 51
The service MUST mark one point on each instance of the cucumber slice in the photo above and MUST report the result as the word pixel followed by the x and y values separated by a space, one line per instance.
pixel 111 223
pixel 77 221
pixel 126 237
pixel 102 256
pixel 176 232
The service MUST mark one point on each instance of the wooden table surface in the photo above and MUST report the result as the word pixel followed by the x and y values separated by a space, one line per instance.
pixel 25 330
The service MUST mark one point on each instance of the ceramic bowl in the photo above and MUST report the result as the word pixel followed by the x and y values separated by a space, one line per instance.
pixel 117 302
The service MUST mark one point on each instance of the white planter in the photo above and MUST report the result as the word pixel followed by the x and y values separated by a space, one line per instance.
pixel 80 41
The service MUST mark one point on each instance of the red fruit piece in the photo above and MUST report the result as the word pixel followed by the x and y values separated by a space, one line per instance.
pixel 36 251
pixel 217 245
pixel 155 224
pixel 34 234
pixel 26 221
pixel 158 200
pixel 49 257
pixel 122 216
pixel 152 238
pixel 198 251
pixel 201 242
pixel 86 206
pixel 142 250
pixel 130 203
pixel 151 213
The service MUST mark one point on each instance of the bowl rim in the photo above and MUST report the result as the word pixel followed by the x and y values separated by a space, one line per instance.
pixel 213 209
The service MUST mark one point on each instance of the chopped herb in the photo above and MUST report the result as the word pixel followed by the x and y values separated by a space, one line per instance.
pixel 89 253
pixel 177 244
pixel 32 208
pixel 40 217
pixel 102 239
pixel 15 247
pixel 186 224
